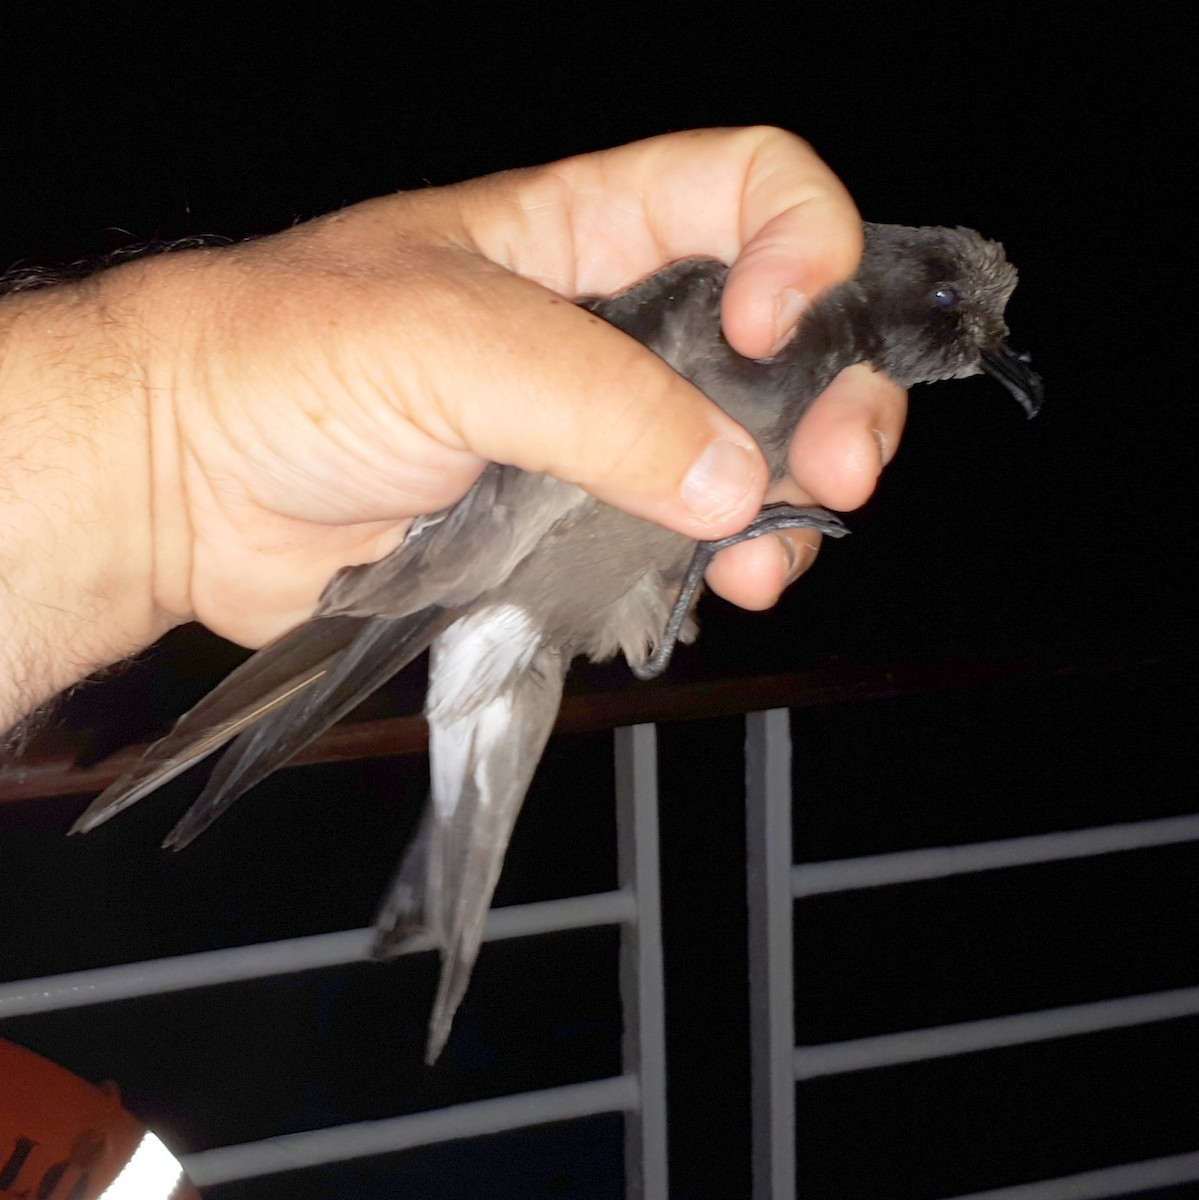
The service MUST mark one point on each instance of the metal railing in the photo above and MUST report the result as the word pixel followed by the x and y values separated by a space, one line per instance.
pixel 639 1092
pixel 775 884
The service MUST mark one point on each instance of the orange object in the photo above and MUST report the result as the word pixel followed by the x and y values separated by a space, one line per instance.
pixel 62 1138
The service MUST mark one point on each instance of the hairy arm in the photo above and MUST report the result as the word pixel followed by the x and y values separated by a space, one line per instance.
pixel 75 520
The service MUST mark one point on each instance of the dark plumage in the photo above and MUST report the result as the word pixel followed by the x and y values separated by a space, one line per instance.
pixel 526 572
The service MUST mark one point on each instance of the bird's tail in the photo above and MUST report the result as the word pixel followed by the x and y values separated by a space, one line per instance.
pixel 482 763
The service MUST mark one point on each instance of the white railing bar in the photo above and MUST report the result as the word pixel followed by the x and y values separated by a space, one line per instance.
pixel 642 978
pixel 771 952
pixel 941 862
pixel 502 1114
pixel 992 1033
pixel 129 981
pixel 1124 1180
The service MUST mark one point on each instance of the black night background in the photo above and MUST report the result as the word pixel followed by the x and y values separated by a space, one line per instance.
pixel 1065 542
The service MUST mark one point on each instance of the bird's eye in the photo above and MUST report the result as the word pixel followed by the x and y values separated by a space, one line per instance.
pixel 946 299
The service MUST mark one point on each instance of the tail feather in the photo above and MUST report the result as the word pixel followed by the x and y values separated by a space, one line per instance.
pixel 483 762
pixel 402 914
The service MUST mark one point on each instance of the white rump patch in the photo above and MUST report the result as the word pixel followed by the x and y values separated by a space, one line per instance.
pixel 475 657
pixel 464 748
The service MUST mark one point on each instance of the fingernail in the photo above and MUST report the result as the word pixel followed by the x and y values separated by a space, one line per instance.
pixel 797 557
pixel 719 480
pixel 885 450
pixel 788 306
pixel 791 561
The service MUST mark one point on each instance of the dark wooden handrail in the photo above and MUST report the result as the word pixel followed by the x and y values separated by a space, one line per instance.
pixel 56 774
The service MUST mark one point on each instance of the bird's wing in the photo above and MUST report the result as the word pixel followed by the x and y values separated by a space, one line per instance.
pixel 674 312
pixel 494 694
pixel 382 648
pixel 261 685
pixel 341 655
pixel 453 557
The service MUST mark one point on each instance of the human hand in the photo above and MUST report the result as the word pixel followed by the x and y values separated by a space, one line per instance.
pixel 305 395
pixel 331 382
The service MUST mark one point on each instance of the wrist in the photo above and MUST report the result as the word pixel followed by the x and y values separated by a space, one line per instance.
pixel 76 561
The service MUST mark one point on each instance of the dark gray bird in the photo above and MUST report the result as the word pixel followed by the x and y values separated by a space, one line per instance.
pixel 525 572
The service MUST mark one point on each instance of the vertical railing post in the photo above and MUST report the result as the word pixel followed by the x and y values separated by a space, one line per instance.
pixel 641 982
pixel 769 858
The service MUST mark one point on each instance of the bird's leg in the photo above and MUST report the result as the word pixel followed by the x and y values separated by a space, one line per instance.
pixel 772 519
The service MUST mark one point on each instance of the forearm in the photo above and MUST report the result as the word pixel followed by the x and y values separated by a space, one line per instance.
pixel 75 512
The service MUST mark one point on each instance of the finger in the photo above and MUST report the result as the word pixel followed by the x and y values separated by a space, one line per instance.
pixel 571 396
pixel 841 446
pixel 787 266
pixel 847 438
pixel 567 394
pixel 802 235
pixel 758 198
pixel 754 574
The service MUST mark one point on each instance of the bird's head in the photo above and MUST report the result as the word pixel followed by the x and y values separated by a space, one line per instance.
pixel 936 299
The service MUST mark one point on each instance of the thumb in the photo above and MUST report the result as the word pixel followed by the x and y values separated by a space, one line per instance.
pixel 565 393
